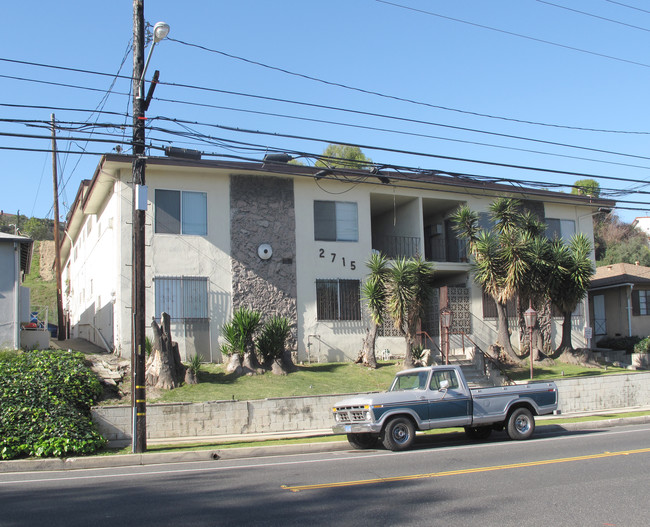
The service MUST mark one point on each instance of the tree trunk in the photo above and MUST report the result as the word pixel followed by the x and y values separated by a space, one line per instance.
pixel 190 378
pixel 164 367
pixel 278 368
pixel 369 358
pixel 287 362
pixel 234 364
pixel 566 345
pixel 503 334
pixel 410 338
pixel 250 364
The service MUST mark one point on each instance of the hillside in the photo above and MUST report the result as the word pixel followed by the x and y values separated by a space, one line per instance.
pixel 41 279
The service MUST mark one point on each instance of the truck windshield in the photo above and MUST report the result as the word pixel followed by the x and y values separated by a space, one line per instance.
pixel 410 381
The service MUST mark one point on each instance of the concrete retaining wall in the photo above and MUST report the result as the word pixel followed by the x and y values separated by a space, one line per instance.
pixel 182 420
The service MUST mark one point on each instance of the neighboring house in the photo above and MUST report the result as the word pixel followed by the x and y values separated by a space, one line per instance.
pixel 643 223
pixel 619 300
pixel 282 239
pixel 15 262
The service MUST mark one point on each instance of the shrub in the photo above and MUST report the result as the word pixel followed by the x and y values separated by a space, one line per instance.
pixel 643 346
pixel 618 343
pixel 45 400
pixel 239 332
pixel 194 364
pixel 271 342
pixel 417 351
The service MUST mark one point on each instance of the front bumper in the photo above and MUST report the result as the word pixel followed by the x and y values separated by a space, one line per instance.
pixel 356 428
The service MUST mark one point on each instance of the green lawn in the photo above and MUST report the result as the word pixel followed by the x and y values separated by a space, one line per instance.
pixel 560 371
pixel 310 379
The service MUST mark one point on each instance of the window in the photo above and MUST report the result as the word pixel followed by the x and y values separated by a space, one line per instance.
pixel 181 212
pixel 490 307
pixel 444 375
pixel 338 300
pixel 640 302
pixel 563 229
pixel 182 297
pixel 335 221
pixel 485 221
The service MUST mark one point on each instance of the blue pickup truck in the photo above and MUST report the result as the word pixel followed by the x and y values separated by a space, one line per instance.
pixel 439 397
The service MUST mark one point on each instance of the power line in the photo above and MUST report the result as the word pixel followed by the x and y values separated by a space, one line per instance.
pixel 459 175
pixel 427 136
pixel 359 112
pixel 592 15
pixel 316 79
pixel 394 97
pixel 512 33
pixel 410 152
pixel 203 137
pixel 628 6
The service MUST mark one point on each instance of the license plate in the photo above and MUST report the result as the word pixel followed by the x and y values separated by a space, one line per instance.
pixel 348 429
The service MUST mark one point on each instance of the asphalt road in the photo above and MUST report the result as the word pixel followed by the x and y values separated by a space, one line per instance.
pixel 590 478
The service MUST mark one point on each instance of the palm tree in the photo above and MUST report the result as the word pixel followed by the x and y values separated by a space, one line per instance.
pixel 374 293
pixel 409 285
pixel 570 279
pixel 501 259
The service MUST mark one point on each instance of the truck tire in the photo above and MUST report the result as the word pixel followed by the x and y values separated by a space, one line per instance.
pixel 363 441
pixel 399 434
pixel 478 432
pixel 521 424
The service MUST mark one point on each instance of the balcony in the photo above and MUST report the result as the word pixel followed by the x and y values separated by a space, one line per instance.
pixel 409 226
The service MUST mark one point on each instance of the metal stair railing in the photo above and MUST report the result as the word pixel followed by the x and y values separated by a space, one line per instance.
pixel 486 358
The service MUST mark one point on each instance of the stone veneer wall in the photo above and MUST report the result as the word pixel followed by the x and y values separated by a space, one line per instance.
pixel 262 212
pixel 182 420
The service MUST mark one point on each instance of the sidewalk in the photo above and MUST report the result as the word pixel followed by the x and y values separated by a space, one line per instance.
pixel 217 453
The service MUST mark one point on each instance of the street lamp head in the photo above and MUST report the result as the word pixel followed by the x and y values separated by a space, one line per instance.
pixel 530 316
pixel 445 317
pixel 160 31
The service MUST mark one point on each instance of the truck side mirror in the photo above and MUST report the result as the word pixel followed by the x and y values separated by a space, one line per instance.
pixel 444 386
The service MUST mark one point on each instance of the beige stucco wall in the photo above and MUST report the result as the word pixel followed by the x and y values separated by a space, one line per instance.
pixel 191 255
pixel 94 263
pixel 333 340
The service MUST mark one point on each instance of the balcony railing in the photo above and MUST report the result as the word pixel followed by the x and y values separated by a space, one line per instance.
pixel 436 250
pixel 439 249
pixel 398 246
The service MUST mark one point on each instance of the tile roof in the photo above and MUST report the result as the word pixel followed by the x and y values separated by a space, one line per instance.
pixel 620 273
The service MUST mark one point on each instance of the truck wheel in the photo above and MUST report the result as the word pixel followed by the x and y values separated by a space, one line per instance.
pixel 399 434
pixel 521 424
pixel 363 441
pixel 478 432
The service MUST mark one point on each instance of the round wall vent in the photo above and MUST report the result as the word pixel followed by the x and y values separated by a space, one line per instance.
pixel 264 251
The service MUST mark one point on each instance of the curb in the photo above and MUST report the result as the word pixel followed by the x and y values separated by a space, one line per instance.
pixel 123 460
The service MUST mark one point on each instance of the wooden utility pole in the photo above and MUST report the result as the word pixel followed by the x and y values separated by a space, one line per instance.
pixel 138 355
pixel 57 247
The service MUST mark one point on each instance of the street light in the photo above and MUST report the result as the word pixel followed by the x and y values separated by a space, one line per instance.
pixel 160 31
pixel 530 316
pixel 445 320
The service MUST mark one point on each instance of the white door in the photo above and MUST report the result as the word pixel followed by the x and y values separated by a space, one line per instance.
pixel 600 321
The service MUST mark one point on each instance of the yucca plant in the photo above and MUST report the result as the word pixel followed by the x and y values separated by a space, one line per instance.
pixel 238 333
pixel 195 364
pixel 272 341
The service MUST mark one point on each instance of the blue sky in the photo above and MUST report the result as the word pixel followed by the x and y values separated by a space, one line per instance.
pixel 508 60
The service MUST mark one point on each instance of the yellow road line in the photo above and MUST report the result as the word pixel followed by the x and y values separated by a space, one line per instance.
pixel 393 479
